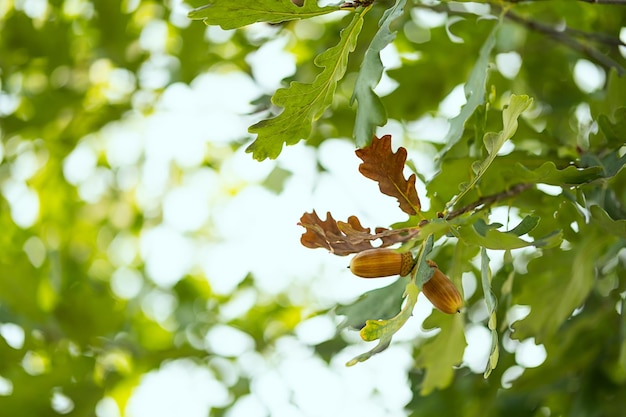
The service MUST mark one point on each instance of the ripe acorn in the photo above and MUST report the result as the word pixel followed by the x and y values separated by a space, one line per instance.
pixel 441 292
pixel 376 263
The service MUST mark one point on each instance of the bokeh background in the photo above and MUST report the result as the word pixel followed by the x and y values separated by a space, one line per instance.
pixel 149 266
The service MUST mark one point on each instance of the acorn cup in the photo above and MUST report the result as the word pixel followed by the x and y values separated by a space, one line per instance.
pixel 377 263
pixel 441 292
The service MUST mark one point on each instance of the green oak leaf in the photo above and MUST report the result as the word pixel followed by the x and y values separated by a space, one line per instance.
pixel 492 303
pixel 424 271
pixel 507 171
pixel 482 227
pixel 275 180
pixel 493 239
pixel 441 353
pixel 371 111
pixel 575 350
pixel 555 285
pixel 475 89
pixel 381 303
pixel 620 371
pixel 494 141
pixel 234 14
pixel 527 224
pixel 305 103
pixel 611 163
pixel 614 132
pixel 477 232
pixel 383 330
pixel 606 223
pixel 548 173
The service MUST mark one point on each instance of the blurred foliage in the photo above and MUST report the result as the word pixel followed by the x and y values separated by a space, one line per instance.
pixel 71 69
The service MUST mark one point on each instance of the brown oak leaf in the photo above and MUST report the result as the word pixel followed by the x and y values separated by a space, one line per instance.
pixel 343 238
pixel 384 166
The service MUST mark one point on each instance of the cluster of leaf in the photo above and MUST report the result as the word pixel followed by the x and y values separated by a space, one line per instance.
pixel 573 268
pixel 558 282
pixel 304 103
pixel 380 320
pixel 384 166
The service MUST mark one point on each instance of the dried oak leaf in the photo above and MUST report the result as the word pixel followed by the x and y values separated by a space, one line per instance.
pixel 384 166
pixel 343 238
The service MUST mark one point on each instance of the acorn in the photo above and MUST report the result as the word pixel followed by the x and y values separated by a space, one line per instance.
pixel 376 263
pixel 441 292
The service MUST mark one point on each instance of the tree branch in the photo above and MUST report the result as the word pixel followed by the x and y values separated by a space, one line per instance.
pixel 565 36
pixel 488 200
pixel 620 2
pixel 596 37
pixel 605 1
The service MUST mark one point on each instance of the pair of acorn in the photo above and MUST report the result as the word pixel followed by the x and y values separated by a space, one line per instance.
pixel 378 263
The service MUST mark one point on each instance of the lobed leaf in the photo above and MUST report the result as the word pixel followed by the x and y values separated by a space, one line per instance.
pixel 548 173
pixel 383 330
pixel 527 224
pixel 482 227
pixel 494 141
pixel 343 238
pixel 493 239
pixel 614 132
pixel 575 351
pixel 304 103
pixel 620 371
pixel 424 270
pixel 606 223
pixel 488 235
pixel 371 111
pixel 510 114
pixel 441 353
pixel 491 302
pixel 379 304
pixel 234 14
pixel 555 285
pixel 507 171
pixel 384 166
pixel 610 162
pixel 475 89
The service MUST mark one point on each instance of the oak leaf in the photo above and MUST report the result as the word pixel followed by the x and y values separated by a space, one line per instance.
pixel 384 166
pixel 344 238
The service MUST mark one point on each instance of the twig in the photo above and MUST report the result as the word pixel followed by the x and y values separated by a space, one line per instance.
pixel 620 2
pixel 596 37
pixel 488 200
pixel 605 1
pixel 563 37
